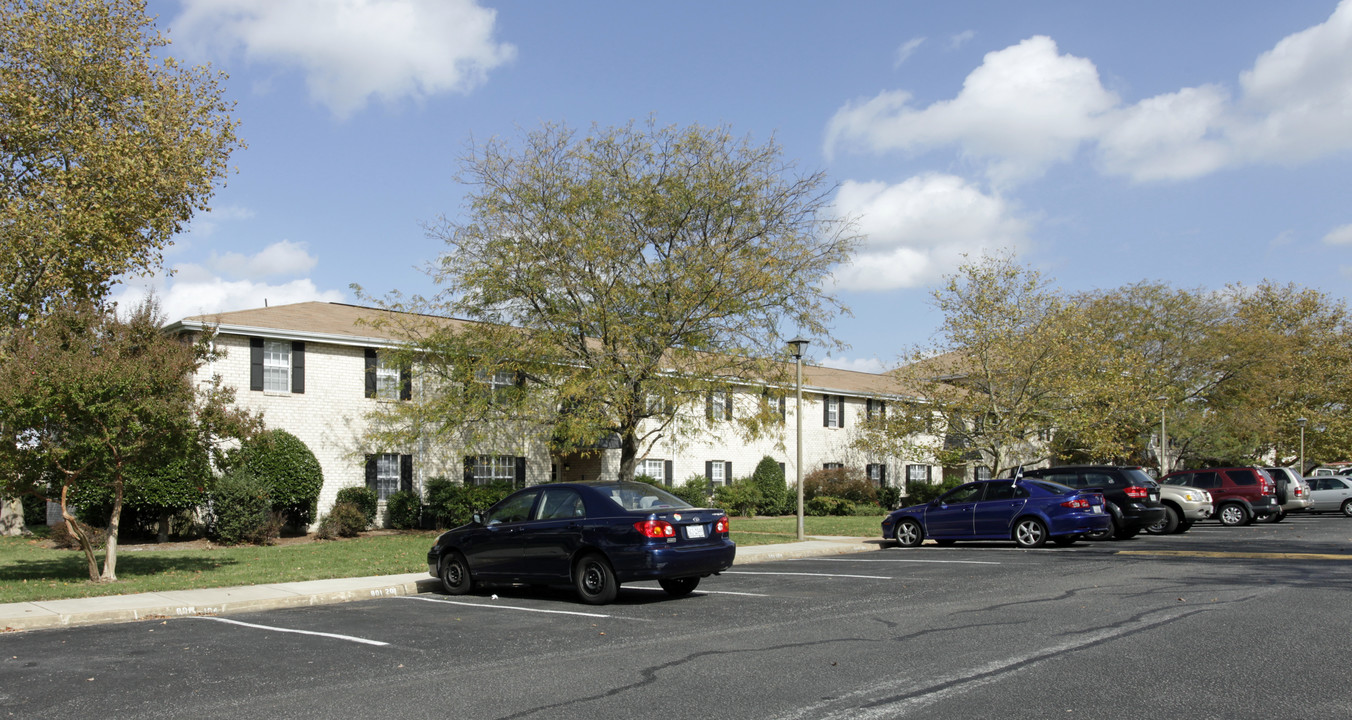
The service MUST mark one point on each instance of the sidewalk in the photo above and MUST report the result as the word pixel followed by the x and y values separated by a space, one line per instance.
pixel 250 598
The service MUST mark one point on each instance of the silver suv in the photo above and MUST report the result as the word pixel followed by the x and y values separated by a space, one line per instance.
pixel 1183 506
pixel 1293 493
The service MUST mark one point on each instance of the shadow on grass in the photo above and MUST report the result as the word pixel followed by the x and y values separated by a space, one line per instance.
pixel 74 567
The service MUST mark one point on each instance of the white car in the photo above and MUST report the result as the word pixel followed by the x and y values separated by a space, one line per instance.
pixel 1331 493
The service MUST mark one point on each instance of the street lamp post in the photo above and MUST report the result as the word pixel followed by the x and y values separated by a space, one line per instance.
pixel 1301 422
pixel 1164 438
pixel 797 344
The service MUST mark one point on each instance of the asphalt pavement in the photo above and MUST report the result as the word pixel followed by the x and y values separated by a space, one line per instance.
pixel 72 612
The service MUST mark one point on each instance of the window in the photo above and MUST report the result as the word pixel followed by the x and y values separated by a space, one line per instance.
pixel 833 411
pixel 718 472
pixel 917 474
pixel 388 384
pixel 493 468
pixel 877 474
pixel 515 509
pixel 875 409
pixel 718 406
pixel 655 469
pixel 276 365
pixel 500 380
pixel 983 472
pixel 560 504
pixel 774 405
pixel 389 473
pixel 833 466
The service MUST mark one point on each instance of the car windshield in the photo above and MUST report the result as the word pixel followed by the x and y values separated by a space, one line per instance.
pixel 642 496
pixel 1137 476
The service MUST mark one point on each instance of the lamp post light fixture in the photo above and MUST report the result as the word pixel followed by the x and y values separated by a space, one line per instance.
pixel 797 344
pixel 1164 437
pixel 1301 422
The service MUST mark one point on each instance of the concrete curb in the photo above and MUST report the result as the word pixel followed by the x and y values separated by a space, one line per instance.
pixel 75 612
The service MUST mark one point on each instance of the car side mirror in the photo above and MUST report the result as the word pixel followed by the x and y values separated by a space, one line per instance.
pixel 478 518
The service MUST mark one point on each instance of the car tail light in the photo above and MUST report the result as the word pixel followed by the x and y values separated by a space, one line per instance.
pixel 1138 492
pixel 1082 503
pixel 1268 487
pixel 722 525
pixel 655 528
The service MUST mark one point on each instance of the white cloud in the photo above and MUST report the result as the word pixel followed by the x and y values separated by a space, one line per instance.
pixel 205 224
pixel 868 365
pixel 282 258
pixel 354 50
pixel 918 230
pixel 1025 108
pixel 906 50
pixel 1341 235
pixel 198 290
pixel 1028 107
pixel 960 39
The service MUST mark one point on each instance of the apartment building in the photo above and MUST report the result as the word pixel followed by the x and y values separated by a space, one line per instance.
pixel 319 369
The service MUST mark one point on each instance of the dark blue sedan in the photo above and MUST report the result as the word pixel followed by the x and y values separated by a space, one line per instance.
pixel 592 535
pixel 1027 511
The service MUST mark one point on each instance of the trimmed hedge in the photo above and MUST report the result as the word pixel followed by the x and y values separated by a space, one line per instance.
pixel 291 471
pixel 344 520
pixel 242 510
pixel 776 498
pixel 365 500
pixel 403 510
pixel 451 504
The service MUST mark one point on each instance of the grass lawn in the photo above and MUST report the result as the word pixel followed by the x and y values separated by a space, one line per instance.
pixel 31 571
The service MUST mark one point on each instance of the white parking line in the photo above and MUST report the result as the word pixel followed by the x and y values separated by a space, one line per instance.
pixel 867 577
pixel 350 638
pixel 941 562
pixel 699 592
pixel 497 606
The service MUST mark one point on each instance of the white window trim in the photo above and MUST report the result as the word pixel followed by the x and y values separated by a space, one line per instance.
pixel 276 366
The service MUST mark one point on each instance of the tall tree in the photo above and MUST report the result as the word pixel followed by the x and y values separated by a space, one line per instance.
pixel 92 400
pixel 621 281
pixel 106 149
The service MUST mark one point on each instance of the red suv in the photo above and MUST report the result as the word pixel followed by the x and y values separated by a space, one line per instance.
pixel 1239 494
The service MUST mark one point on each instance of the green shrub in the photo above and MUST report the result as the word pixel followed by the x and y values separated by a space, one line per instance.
pixel 34 510
pixel 364 498
pixel 889 497
pixel 649 479
pixel 452 504
pixel 921 493
pixel 776 497
pixel 242 510
pixel 344 520
pixel 291 472
pixel 695 491
pixel 403 510
pixel 824 505
pixel 742 497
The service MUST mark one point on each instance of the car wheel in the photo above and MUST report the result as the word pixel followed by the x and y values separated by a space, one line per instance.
pixel 1064 540
pixel 1233 515
pixel 1185 525
pixel 1102 534
pixel 679 587
pixel 1030 533
pixel 455 577
pixel 594 580
pixel 909 533
pixel 1167 524
pixel 1276 517
pixel 1347 508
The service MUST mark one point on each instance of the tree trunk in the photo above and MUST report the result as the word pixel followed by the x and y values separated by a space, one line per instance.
pixel 628 455
pixel 164 528
pixel 74 527
pixel 11 517
pixel 114 519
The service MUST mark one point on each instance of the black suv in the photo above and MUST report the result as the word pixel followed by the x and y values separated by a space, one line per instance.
pixel 1131 495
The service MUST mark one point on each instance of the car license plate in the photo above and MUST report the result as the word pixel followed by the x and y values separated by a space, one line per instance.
pixel 694 531
pixel 1097 509
pixel 1154 497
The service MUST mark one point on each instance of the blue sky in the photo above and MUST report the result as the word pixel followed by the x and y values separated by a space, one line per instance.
pixel 1201 143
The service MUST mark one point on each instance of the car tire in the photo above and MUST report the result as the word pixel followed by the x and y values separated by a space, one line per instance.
pixel 909 533
pixel 1347 508
pixel 679 587
pixel 1276 517
pixel 1103 534
pixel 1167 525
pixel 1234 515
pixel 455 577
pixel 1185 525
pixel 594 580
pixel 1126 534
pixel 1064 540
pixel 1030 533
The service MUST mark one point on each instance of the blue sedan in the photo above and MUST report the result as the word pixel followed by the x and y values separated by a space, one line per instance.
pixel 1027 511
pixel 592 535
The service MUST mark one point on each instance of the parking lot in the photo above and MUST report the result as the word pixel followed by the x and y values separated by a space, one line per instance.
pixel 1217 622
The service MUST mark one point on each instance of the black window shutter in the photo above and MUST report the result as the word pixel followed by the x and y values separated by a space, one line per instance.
pixel 781 406
pixel 840 414
pixel 298 367
pixel 709 406
pixel 882 474
pixel 727 406
pixel 882 408
pixel 826 411
pixel 868 408
pixel 929 473
pixel 521 472
pixel 666 471
pixel 727 473
pixel 406 390
pixel 370 372
pixel 371 471
pixel 406 473
pixel 709 470
pixel 255 363
pixel 469 469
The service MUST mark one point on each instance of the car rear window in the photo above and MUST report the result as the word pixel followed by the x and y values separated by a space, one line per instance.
pixel 641 496
pixel 1137 476
pixel 1049 486
pixel 1241 477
